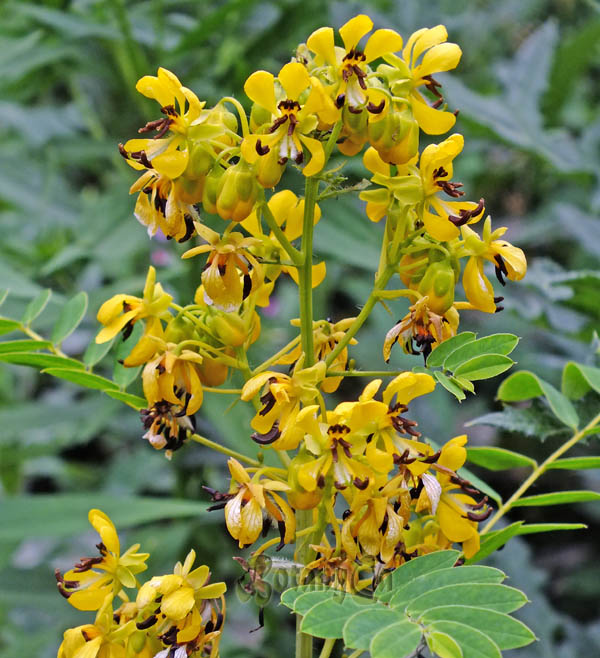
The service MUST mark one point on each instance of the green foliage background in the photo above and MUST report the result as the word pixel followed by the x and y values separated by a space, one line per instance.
pixel 528 92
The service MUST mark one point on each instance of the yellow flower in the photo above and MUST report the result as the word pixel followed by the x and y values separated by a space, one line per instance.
pixel 508 260
pixel 122 311
pixel 456 512
pixel 424 54
pixel 282 395
pixel 326 336
pixel 229 259
pixel 286 137
pixel 190 609
pixel 166 204
pixel 92 579
pixel 420 329
pixel 346 71
pixel 170 155
pixel 288 211
pixel 104 638
pixel 249 499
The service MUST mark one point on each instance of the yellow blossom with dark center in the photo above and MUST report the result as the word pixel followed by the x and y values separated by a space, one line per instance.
pixel 231 272
pixel 421 329
pixel 251 501
pixel 190 609
pixel 87 585
pixel 122 311
pixel 287 136
pixel 281 399
pixel 508 260
pixel 425 53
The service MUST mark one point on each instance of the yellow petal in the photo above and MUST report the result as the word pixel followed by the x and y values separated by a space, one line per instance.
pixel 321 43
pixel 259 87
pixel 317 153
pixel 177 604
pixel 382 42
pixel 171 162
pixel 373 162
pixel 90 599
pixel 212 591
pixel 252 522
pixel 353 31
pixel 238 472
pixel 106 529
pixel 454 454
pixel 443 57
pixel 431 121
pixel 422 40
pixel 438 226
pixel 478 289
pixel 90 649
pixel 407 386
pixel 233 515
pixel 294 79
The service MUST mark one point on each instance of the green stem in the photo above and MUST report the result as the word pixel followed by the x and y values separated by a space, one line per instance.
pixel 282 352
pixel 364 373
pixel 222 449
pixel 304 520
pixel 327 648
pixel 537 472
pixel 356 654
pixel 292 252
pixel 33 334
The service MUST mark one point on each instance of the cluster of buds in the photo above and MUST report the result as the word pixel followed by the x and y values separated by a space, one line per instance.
pixel 175 615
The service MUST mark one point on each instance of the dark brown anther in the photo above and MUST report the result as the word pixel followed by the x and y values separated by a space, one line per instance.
pixel 161 369
pixel 497 300
pixel 439 172
pixel 86 563
pixel 123 152
pixel 146 623
pixel 354 110
pixel 189 229
pixel 292 125
pixel 499 309
pixel 170 637
pixel 157 124
pixel 260 148
pixel 473 516
pixel 432 458
pixel 278 122
pixel 437 103
pixel 340 486
pixel 501 270
pixel 269 437
pixel 456 113
pixel 102 548
pixel 376 109
pixel 247 286
pixel 321 481
pixel 299 159
pixel 480 504
pixel 169 110
pixel 266 526
pixel 433 85
pixel 451 189
pixel 62 591
pixel 466 215
pixel 360 484
pixel 268 402
pixel 282 161
pixel 86 637
pixel 281 528
pixel 459 562
pixel 340 100
pixel 219 622
pixel 346 514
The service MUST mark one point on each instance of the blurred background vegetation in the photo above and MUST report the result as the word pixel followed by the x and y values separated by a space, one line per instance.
pixel 528 93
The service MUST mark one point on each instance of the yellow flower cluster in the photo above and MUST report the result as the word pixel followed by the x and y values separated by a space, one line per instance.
pixel 402 497
pixel 179 614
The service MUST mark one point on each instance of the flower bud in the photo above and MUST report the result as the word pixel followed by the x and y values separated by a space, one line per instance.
pixel 395 136
pixel 258 117
pixel 230 329
pixel 178 330
pixel 355 129
pixel 412 268
pixel 211 185
pixel 438 284
pixel 212 372
pixel 237 192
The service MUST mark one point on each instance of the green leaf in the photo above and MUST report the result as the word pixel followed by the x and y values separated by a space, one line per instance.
pixel 443 645
pixel 327 618
pixel 413 569
pixel 505 631
pixel 484 367
pixel 495 344
pixel 535 528
pixel 557 498
pixel 491 541
pixel 443 350
pixel 449 385
pixel 62 515
pixel 40 360
pixel 71 314
pixel 396 641
pixel 361 626
pixel 575 463
pixel 485 595
pixel 309 599
pixel 498 459
pixel 578 379
pixel 36 306
pixel 82 378
pixel 133 401
pixel 24 345
pixel 288 598
pixel 94 352
pixel 525 385
pixel 452 576
pixel 6 326
pixel 483 486
pixel 473 642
